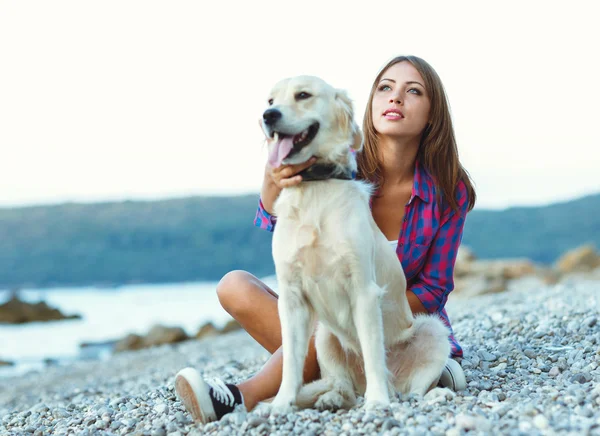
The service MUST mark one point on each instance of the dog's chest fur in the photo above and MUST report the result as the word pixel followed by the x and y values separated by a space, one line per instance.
pixel 316 249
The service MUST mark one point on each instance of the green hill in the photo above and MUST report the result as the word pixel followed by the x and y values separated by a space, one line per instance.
pixel 541 234
pixel 201 238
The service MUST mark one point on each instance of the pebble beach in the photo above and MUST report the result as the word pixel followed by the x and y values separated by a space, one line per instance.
pixel 532 357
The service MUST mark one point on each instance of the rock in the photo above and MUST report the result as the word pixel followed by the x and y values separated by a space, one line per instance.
pixel 590 321
pixel 549 276
pixel 554 371
pixel 471 286
pixel 161 408
pixel 6 363
pixel 16 311
pixel 473 277
pixel 158 432
pixel 580 259
pixel 540 422
pixel 580 378
pixel 256 421
pixel 207 330
pixel 487 356
pixel 469 422
pixel 518 268
pixel 507 269
pixel 159 335
pixel 464 258
pixel 130 342
pixel 477 277
pixel 231 326
pixel 390 423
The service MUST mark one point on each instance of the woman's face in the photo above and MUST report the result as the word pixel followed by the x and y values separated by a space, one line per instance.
pixel 400 103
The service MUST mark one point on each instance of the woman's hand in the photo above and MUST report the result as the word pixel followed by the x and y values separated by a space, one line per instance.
pixel 287 175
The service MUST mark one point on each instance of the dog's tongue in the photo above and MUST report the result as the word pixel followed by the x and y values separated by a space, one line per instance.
pixel 280 150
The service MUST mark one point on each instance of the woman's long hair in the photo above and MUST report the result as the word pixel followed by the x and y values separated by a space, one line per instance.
pixel 438 152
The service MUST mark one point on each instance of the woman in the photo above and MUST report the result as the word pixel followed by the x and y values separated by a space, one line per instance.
pixel 423 196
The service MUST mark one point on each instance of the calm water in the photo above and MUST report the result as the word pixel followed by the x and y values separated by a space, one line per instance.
pixel 107 314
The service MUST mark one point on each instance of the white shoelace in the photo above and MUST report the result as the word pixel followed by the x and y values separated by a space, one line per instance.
pixel 221 391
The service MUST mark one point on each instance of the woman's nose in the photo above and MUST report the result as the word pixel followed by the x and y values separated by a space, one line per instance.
pixel 395 99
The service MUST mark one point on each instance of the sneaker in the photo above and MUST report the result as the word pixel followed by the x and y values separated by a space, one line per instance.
pixel 206 400
pixel 453 376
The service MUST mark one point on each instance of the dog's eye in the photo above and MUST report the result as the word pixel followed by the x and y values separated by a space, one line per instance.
pixel 270 101
pixel 303 95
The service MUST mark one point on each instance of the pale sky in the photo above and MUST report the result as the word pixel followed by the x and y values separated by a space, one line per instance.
pixel 113 100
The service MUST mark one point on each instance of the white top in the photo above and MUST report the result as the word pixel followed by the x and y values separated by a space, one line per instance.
pixel 394 244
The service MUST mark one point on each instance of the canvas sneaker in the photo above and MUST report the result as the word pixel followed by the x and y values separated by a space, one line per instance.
pixel 206 400
pixel 453 376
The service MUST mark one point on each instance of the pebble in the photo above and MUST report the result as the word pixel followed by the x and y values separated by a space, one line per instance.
pixel 256 421
pixel 530 369
pixel 487 356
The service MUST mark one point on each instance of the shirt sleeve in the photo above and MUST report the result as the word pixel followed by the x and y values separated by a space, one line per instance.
pixel 264 219
pixel 436 279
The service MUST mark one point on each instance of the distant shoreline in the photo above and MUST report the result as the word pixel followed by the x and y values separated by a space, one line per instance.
pixel 202 238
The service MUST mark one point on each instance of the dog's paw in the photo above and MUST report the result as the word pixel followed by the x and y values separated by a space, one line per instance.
pixel 262 409
pixel 437 395
pixel 284 409
pixel 377 399
pixel 279 406
pixel 268 409
pixel 332 400
pixel 377 404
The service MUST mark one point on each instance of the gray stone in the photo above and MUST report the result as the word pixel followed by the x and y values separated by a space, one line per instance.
pixel 256 421
pixel 390 423
pixel 581 378
pixel 487 356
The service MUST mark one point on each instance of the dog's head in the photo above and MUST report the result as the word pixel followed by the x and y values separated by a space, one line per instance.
pixel 308 117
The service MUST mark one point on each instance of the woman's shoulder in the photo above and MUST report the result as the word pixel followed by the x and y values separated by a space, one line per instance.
pixel 461 197
pixel 429 188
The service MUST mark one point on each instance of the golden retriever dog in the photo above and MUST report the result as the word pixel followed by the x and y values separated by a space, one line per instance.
pixel 338 277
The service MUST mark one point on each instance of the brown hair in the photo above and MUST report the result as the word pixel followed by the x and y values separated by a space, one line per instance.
pixel 438 152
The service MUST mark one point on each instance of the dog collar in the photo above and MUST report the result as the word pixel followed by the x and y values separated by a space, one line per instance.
pixel 324 171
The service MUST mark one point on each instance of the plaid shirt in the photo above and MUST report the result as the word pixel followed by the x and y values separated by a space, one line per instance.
pixel 427 244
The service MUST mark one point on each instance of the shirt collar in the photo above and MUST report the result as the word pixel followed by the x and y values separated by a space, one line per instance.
pixel 421 183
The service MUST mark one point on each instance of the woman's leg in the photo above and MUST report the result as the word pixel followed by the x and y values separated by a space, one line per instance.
pixel 254 305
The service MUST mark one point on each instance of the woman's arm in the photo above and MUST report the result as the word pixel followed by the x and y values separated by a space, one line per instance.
pixel 436 279
pixel 269 191
pixel 274 180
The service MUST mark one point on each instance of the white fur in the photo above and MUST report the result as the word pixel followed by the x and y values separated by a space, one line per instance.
pixel 337 272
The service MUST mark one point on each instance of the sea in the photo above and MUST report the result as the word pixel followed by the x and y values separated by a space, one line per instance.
pixel 107 314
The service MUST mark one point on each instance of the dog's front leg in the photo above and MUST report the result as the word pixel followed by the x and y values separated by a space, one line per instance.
pixel 369 326
pixel 296 327
pixel 335 372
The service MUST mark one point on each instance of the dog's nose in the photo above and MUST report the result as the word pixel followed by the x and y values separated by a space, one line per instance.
pixel 271 116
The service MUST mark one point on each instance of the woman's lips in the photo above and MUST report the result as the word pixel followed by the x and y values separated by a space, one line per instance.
pixel 393 114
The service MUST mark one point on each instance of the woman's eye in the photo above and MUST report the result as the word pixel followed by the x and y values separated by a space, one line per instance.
pixel 415 91
pixel 384 88
pixel 270 102
pixel 303 95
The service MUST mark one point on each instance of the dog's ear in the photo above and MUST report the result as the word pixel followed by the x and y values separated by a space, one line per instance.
pixel 345 118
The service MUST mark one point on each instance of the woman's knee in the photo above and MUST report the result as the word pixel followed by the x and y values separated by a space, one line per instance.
pixel 233 291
